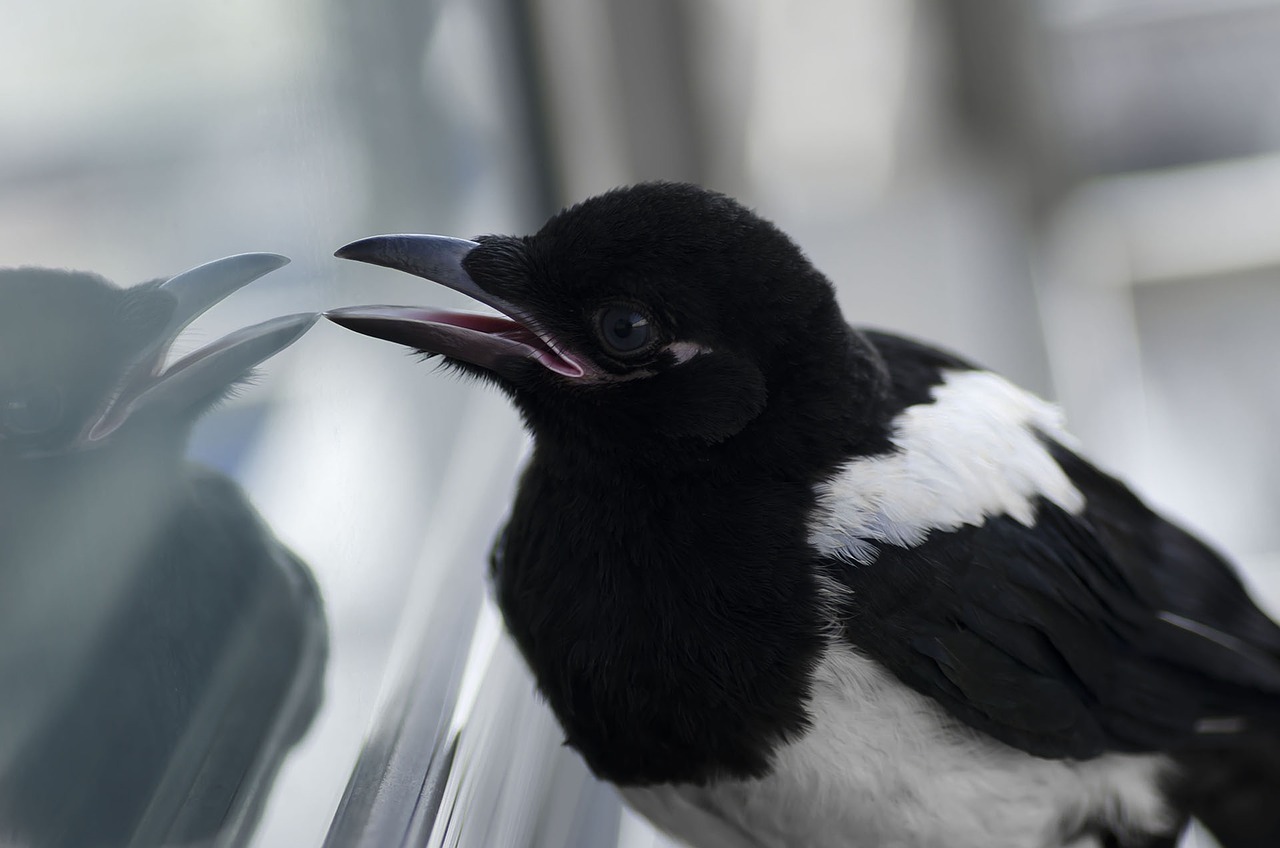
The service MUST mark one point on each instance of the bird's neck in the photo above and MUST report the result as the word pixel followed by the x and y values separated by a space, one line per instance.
pixel 700 583
pixel 829 402
pixel 686 650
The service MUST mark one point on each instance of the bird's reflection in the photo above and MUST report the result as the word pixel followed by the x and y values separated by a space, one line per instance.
pixel 160 651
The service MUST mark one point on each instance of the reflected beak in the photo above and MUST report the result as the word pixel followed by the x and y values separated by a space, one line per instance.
pixel 495 343
pixel 211 369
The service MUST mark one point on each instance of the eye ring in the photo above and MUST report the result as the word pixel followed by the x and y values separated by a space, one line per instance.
pixel 33 410
pixel 624 330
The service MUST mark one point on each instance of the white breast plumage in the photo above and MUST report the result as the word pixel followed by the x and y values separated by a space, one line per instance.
pixel 882 767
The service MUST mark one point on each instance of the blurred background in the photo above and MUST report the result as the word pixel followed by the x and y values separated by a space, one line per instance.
pixel 1081 194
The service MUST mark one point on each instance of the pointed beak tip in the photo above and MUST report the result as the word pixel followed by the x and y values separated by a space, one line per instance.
pixel 249 265
pixel 276 260
pixel 304 320
pixel 354 318
pixel 337 316
pixel 294 327
pixel 363 250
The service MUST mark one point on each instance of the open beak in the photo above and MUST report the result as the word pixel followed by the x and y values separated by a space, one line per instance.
pixel 493 342
pixel 209 370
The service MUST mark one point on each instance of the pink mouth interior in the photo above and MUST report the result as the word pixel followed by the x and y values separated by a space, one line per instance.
pixel 495 325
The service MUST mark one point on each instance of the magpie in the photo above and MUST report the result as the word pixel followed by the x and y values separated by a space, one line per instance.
pixel 160 650
pixel 788 582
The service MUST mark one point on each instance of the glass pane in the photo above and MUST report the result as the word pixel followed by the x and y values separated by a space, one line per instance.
pixel 174 668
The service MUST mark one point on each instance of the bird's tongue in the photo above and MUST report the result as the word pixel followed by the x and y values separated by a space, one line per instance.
pixel 505 328
pixel 470 336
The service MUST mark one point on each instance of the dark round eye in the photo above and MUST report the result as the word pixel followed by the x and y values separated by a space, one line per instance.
pixel 624 329
pixel 31 410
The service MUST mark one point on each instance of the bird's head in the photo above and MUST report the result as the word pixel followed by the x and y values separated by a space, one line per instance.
pixel 82 362
pixel 661 311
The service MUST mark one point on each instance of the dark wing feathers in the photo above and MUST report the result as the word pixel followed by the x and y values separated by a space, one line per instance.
pixel 1188 577
pixel 1109 630
pixel 999 682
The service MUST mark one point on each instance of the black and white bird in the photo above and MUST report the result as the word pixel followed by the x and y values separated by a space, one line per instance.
pixel 160 650
pixel 792 583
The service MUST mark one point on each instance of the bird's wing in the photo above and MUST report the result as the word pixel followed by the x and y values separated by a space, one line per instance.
pixel 1103 628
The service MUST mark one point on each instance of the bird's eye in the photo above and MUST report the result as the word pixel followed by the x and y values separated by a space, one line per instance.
pixel 624 329
pixel 31 410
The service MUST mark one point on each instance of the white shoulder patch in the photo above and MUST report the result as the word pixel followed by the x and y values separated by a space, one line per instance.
pixel 971 454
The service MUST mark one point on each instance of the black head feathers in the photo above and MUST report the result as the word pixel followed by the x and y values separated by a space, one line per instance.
pixel 660 312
